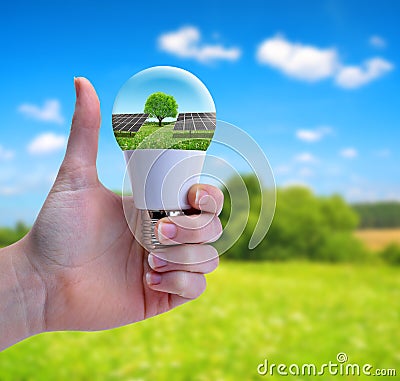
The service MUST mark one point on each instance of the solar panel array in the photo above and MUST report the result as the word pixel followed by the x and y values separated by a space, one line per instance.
pixel 196 121
pixel 128 122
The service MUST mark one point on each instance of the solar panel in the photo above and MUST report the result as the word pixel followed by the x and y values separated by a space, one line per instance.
pixel 195 121
pixel 128 122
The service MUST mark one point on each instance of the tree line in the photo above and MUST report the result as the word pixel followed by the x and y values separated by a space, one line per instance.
pixel 378 214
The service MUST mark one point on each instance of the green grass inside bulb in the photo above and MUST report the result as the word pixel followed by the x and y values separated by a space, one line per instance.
pixel 151 136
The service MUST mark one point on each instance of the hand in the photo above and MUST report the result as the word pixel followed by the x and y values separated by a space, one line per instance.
pixel 93 273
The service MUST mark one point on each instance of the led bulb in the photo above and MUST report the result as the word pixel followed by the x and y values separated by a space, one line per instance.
pixel 164 120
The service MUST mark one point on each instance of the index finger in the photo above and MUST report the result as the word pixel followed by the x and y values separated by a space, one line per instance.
pixel 206 198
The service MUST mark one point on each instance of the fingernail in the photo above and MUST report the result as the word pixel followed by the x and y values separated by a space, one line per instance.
pixel 167 230
pixel 153 278
pixel 200 194
pixel 156 262
pixel 77 86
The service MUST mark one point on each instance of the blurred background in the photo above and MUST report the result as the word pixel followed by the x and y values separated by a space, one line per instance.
pixel 315 83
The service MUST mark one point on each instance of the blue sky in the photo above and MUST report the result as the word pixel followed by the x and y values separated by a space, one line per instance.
pixel 189 92
pixel 314 82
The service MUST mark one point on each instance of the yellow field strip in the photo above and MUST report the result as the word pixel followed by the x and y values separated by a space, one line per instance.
pixel 377 239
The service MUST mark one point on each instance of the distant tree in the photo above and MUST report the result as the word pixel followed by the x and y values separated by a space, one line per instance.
pixel 384 214
pixel 10 235
pixel 305 226
pixel 160 105
pixel 391 254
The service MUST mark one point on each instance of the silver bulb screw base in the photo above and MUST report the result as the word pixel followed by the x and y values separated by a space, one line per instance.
pixel 149 221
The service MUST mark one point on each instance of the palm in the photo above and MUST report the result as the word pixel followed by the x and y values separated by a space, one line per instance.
pixel 96 256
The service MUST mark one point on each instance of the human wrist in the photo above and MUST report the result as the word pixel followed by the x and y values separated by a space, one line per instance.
pixel 22 295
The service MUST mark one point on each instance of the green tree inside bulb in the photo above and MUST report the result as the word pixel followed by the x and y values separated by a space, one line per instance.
pixel 160 105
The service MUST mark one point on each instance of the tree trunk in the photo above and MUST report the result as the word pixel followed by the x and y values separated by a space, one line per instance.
pixel 159 122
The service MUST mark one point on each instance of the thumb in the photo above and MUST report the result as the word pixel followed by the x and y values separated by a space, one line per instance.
pixel 84 135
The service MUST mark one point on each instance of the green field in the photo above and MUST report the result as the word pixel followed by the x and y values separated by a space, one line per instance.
pixel 291 312
pixel 152 136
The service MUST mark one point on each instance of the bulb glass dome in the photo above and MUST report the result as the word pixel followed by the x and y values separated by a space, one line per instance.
pixel 164 107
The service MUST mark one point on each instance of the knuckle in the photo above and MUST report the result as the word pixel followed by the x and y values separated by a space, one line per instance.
pixel 196 233
pixel 202 285
pixel 181 283
pixel 216 230
pixel 220 197
pixel 212 264
pixel 218 226
pixel 212 252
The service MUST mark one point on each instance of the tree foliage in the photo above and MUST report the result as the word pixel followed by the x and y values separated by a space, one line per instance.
pixel 305 226
pixel 160 105
pixel 10 235
pixel 379 214
pixel 391 254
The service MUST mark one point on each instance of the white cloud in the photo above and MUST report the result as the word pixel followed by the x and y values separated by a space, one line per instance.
pixel 49 112
pixel 357 194
pixel 351 77
pixel 9 191
pixel 282 169
pixel 37 179
pixel 312 136
pixel 306 157
pixel 306 172
pixel 349 153
pixel 6 154
pixel 47 143
pixel 393 195
pixel 186 43
pixel 361 189
pixel 310 63
pixel 300 61
pixel 377 42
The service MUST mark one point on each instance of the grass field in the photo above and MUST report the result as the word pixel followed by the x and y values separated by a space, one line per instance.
pixel 152 136
pixel 285 312
pixel 377 239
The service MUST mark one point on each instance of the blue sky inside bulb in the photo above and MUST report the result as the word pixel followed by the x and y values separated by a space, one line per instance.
pixel 164 107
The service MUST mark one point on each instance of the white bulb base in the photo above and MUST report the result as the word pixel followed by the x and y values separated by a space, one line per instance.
pixel 161 179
